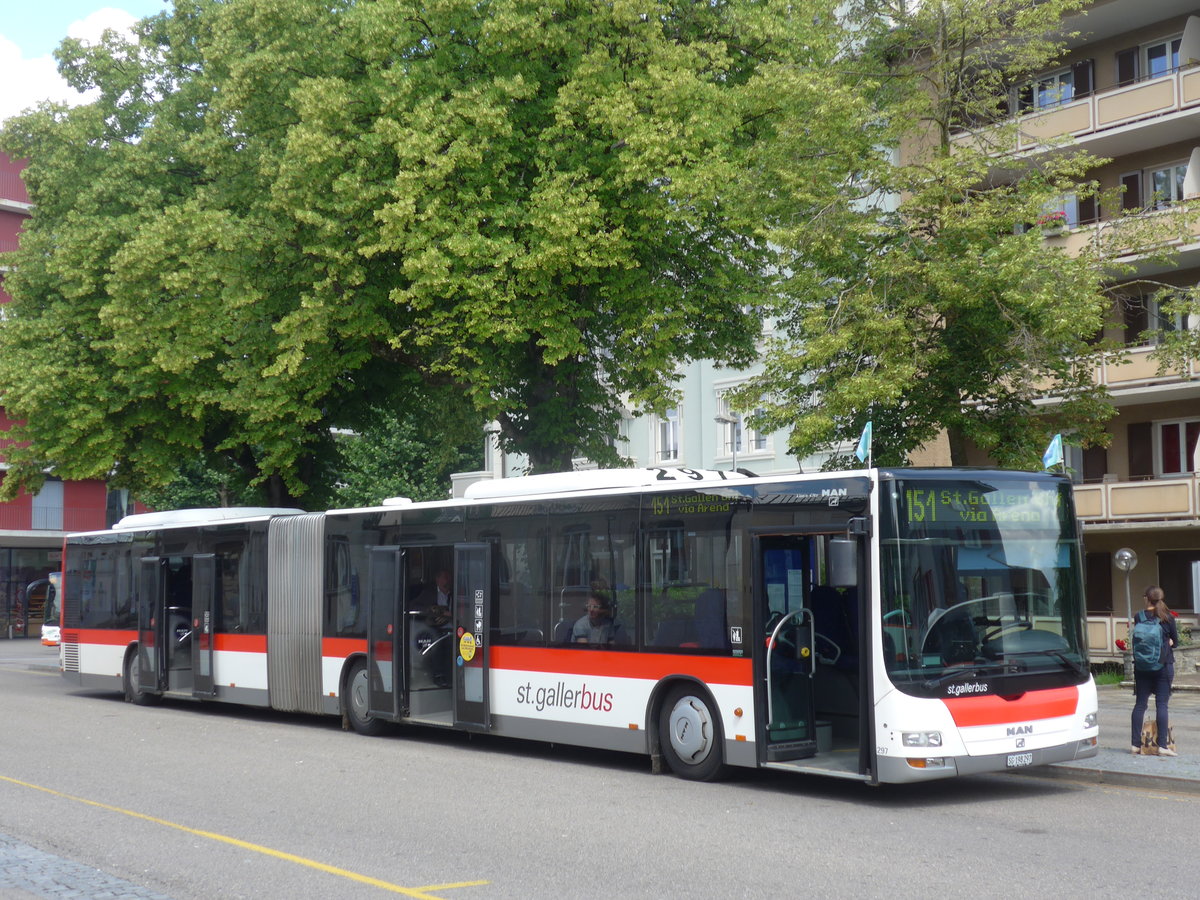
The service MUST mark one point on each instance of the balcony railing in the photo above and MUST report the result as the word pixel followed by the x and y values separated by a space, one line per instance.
pixel 1161 499
pixel 1112 108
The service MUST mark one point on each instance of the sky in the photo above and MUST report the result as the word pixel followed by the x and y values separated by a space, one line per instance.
pixel 31 29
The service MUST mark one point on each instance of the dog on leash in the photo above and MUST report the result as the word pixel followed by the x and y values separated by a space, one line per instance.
pixel 1150 738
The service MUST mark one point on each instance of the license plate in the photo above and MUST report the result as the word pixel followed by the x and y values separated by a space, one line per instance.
pixel 1017 760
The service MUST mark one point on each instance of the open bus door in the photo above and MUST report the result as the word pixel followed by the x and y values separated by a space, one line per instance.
pixel 386 627
pixel 814 666
pixel 473 589
pixel 151 663
pixel 204 602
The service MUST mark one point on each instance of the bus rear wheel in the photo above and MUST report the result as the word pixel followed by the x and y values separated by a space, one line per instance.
pixel 690 734
pixel 133 689
pixel 358 684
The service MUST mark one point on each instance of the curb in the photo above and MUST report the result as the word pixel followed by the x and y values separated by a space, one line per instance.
pixel 1117 779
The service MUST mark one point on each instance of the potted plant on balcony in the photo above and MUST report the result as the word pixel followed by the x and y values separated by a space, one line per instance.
pixel 1052 223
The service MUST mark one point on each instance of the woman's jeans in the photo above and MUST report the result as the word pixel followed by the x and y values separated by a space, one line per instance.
pixel 1159 684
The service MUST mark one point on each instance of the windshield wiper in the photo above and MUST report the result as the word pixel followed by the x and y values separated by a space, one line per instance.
pixel 1062 657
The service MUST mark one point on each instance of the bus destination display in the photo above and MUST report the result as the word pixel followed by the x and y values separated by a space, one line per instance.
pixel 949 506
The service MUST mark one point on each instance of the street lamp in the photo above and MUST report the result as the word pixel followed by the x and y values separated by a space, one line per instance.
pixel 732 423
pixel 1126 560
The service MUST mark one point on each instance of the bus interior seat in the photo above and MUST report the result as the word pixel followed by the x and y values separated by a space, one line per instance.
pixel 711 633
pixel 678 632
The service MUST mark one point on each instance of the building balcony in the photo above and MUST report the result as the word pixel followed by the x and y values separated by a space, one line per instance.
pixel 1168 499
pixel 1120 120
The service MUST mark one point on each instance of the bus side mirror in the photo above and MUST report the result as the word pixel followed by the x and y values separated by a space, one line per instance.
pixel 843 562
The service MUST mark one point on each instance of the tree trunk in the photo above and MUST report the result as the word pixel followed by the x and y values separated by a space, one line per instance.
pixel 958 446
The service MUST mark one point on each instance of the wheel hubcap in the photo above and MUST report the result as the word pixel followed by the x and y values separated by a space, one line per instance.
pixel 691 730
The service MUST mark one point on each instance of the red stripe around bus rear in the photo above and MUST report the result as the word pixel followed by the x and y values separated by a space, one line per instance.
pixel 993 710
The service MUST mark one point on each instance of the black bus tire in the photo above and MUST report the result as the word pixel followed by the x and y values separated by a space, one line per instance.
pixel 358 684
pixel 133 690
pixel 689 732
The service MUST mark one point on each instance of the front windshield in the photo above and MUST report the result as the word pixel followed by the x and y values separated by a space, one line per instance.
pixel 981 586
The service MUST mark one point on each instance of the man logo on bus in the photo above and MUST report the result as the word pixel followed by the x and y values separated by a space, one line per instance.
pixel 1020 729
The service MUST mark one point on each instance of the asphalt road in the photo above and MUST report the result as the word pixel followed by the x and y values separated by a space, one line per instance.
pixel 190 802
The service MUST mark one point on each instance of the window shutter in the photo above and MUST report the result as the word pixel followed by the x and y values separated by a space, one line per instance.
pixel 1127 66
pixel 1141 449
pixel 1095 464
pixel 1099 582
pixel 1081 75
pixel 1132 197
pixel 1137 319
pixel 1087 210
pixel 1024 98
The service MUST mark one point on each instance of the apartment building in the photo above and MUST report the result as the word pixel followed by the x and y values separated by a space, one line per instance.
pixel 1129 91
pixel 32 527
pixel 702 432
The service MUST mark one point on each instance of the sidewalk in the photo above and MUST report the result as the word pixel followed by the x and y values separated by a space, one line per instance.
pixel 1114 764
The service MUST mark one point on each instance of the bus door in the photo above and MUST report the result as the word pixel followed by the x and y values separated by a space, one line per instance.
pixel 204 608
pixel 784 566
pixel 473 591
pixel 385 633
pixel 151 661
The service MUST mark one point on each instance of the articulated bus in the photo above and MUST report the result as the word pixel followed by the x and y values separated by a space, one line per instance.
pixel 879 625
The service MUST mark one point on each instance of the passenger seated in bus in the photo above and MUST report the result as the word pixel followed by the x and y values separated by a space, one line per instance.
pixel 596 626
pixel 433 603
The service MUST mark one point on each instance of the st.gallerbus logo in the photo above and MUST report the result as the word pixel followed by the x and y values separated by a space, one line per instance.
pixel 562 697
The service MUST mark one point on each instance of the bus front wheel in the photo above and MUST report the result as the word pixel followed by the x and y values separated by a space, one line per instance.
pixel 690 734
pixel 133 689
pixel 357 694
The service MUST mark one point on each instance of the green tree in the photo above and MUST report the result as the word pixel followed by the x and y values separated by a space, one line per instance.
pixel 920 303
pixel 280 215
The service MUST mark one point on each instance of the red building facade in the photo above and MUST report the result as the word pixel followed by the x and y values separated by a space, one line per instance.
pixel 32 527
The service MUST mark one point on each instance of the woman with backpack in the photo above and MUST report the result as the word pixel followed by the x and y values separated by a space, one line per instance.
pixel 1153 635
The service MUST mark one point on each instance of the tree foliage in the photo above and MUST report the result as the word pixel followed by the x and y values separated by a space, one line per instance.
pixel 922 303
pixel 282 215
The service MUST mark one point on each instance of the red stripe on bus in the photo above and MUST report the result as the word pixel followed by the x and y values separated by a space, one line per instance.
pixel 241 643
pixel 342 647
pixel 709 669
pixel 993 710
pixel 107 636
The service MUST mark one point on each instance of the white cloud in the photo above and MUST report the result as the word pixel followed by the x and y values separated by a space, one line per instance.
pixel 29 81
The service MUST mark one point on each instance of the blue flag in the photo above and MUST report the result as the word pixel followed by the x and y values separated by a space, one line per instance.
pixel 1054 453
pixel 863 452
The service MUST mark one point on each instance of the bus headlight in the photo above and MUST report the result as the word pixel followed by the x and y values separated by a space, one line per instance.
pixel 921 738
pixel 1089 721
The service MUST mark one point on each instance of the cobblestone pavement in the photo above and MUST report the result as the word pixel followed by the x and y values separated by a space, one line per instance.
pixel 27 872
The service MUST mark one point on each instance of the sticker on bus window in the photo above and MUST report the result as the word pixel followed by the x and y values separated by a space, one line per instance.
pixel 466 646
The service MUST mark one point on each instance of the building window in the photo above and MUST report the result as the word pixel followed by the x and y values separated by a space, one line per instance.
pixel 734 435
pixel 1063 212
pixel 1166 184
pixel 667 445
pixel 1152 60
pixel 1161 58
pixel 1046 92
pixel 1177 446
pixel 48 507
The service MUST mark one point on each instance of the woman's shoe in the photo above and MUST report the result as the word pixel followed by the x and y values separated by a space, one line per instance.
pixel 1135 750
pixel 1166 751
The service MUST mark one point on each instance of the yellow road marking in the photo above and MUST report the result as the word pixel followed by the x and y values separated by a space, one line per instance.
pixel 421 892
